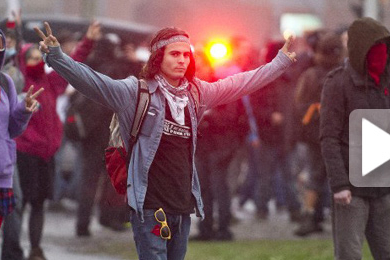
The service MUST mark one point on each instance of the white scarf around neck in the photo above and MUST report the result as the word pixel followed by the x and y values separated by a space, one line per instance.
pixel 176 96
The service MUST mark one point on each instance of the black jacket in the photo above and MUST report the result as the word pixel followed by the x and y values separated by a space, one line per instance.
pixel 308 92
pixel 223 128
pixel 328 55
pixel 348 88
pixel 276 97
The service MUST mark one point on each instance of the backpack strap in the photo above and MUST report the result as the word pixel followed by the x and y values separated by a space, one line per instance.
pixel 143 101
pixel 195 94
pixel 4 83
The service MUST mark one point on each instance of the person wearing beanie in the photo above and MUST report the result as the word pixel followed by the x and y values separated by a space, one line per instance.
pixel 163 185
pixel 362 82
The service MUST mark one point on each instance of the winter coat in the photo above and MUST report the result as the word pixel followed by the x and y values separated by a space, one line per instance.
pixel 43 135
pixel 348 88
pixel 13 120
pixel 308 93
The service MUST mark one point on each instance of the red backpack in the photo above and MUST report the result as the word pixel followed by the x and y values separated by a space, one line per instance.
pixel 116 157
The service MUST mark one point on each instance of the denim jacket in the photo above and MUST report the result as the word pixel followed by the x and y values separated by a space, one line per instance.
pixel 121 96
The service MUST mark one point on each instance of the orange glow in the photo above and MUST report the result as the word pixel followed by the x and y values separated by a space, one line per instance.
pixel 218 51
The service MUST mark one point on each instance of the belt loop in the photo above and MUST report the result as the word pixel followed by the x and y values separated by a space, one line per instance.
pixel 180 221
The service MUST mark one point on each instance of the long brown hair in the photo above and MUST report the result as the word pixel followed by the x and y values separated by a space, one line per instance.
pixel 152 67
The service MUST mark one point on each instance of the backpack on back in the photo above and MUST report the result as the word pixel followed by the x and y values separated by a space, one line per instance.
pixel 117 159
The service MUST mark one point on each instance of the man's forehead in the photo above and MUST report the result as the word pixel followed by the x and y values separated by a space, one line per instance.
pixel 178 46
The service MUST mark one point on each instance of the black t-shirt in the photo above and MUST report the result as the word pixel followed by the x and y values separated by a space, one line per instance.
pixel 169 180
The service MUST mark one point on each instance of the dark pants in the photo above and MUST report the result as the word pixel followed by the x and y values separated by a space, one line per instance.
pixel 362 218
pixel 36 177
pixel 11 249
pixel 249 189
pixel 212 169
pixel 318 180
pixel 94 175
pixel 272 159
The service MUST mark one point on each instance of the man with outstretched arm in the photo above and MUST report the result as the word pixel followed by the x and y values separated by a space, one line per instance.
pixel 163 185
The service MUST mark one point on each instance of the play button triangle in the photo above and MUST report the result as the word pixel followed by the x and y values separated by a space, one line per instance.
pixel 375 147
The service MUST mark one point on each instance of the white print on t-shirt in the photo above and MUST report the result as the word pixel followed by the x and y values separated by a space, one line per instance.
pixel 171 128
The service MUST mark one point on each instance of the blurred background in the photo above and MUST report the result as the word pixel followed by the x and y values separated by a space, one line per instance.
pixel 259 20
pixel 207 21
pixel 228 36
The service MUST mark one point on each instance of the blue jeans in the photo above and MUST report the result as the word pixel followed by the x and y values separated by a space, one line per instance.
pixel 152 247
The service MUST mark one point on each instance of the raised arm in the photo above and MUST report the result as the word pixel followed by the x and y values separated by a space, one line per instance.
pixel 114 94
pixel 20 111
pixel 231 88
pixel 84 47
pixel 80 53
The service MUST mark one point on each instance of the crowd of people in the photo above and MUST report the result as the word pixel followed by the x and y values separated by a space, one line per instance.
pixel 44 174
pixel 283 115
pixel 267 131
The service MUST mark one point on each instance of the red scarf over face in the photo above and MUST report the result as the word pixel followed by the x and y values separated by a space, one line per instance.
pixel 36 71
pixel 376 61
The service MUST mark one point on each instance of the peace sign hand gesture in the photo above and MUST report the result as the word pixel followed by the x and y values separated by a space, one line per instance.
pixel 286 47
pixel 47 41
pixel 32 104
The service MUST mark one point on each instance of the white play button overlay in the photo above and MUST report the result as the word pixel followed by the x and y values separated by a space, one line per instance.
pixel 375 147
pixel 369 148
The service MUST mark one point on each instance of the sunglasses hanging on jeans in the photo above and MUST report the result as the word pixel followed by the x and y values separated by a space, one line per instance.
pixel 165 231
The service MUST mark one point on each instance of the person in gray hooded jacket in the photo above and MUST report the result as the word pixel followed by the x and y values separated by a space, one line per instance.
pixel 162 175
pixel 361 83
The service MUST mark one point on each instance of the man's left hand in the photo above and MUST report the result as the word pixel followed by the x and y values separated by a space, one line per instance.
pixel 286 48
pixel 94 31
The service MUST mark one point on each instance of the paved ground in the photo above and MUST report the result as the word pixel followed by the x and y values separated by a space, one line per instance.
pixel 60 242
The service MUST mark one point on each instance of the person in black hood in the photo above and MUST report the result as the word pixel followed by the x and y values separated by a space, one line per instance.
pixel 361 83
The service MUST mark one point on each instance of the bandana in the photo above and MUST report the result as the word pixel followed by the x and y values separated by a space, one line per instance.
pixel 36 71
pixel 162 43
pixel 376 61
pixel 176 97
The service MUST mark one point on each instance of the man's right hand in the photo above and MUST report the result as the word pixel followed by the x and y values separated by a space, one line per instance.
pixel 343 197
pixel 286 48
pixel 47 41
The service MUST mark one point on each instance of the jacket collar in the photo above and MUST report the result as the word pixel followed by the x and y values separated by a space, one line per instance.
pixel 355 76
pixel 152 84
